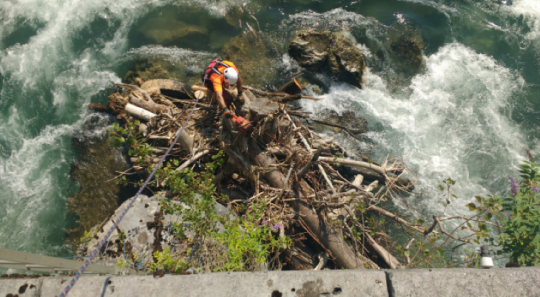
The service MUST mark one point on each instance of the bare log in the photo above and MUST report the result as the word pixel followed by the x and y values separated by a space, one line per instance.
pixel 185 141
pixel 138 112
pixel 169 87
pixel 290 98
pixel 359 164
pixel 392 262
pixel 397 218
pixel 149 105
pixel 136 89
pixel 191 160
pixel 270 94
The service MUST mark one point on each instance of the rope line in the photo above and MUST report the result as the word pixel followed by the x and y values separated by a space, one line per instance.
pixel 115 223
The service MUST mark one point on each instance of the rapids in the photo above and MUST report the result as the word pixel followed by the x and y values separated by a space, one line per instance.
pixel 467 115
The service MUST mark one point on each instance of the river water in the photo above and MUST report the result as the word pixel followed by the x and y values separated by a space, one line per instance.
pixel 468 114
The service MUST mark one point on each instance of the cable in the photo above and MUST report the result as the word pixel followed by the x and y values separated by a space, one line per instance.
pixel 115 223
pixel 105 286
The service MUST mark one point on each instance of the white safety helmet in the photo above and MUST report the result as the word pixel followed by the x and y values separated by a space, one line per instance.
pixel 231 74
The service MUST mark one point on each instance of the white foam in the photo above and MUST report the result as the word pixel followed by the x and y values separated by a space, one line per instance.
pixel 456 122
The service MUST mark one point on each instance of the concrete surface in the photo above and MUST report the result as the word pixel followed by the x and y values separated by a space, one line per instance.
pixel 21 287
pixel 248 284
pixel 465 282
pixel 413 282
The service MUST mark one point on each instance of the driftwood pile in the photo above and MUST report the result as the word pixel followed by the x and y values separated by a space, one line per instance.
pixel 296 173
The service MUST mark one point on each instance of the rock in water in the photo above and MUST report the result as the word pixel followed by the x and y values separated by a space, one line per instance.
pixel 335 53
pixel 311 49
pixel 346 61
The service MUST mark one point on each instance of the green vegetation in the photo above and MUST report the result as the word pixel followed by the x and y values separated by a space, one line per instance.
pixel 243 243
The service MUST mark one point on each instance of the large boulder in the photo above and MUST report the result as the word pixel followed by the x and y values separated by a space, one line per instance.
pixel 311 49
pixel 330 52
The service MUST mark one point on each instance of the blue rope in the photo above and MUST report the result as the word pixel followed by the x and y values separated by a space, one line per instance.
pixel 109 241
pixel 115 223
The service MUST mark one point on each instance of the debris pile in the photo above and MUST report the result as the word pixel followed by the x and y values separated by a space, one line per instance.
pixel 306 182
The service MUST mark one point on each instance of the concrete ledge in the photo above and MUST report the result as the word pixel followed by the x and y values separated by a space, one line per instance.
pixel 412 282
pixel 286 283
pixel 21 287
pixel 465 282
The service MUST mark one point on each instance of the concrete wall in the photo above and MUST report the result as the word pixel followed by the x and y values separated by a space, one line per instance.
pixel 414 282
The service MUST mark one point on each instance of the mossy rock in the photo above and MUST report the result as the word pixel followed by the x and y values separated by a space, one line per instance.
pixel 249 55
pixel 346 61
pixel 94 171
pixel 330 52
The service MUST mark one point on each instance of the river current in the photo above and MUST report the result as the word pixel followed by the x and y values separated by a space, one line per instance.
pixel 468 114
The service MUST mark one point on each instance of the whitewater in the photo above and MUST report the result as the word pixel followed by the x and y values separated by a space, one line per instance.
pixel 468 115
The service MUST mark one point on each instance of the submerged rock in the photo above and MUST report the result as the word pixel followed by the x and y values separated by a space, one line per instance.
pixel 405 47
pixel 331 52
pixel 164 30
pixel 249 54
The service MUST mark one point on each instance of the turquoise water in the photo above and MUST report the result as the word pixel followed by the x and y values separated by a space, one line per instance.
pixel 468 115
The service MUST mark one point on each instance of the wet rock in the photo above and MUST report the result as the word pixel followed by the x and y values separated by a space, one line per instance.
pixel 347 119
pixel 405 47
pixel 311 49
pixel 347 63
pixel 148 69
pixel 97 166
pixel 330 52
pixel 249 54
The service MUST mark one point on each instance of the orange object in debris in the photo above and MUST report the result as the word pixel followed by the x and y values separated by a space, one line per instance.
pixel 243 124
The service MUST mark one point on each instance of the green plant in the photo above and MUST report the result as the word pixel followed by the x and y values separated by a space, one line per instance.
pixel 521 227
pixel 248 244
pixel 197 193
pixel 122 264
pixel 166 262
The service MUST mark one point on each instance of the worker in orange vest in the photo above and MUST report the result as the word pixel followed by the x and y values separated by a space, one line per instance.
pixel 224 73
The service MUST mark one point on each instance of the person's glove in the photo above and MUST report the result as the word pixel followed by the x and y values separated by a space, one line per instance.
pixel 227 113
pixel 241 98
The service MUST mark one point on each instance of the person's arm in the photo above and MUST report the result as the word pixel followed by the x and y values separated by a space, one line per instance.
pixel 241 96
pixel 220 100
pixel 239 84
